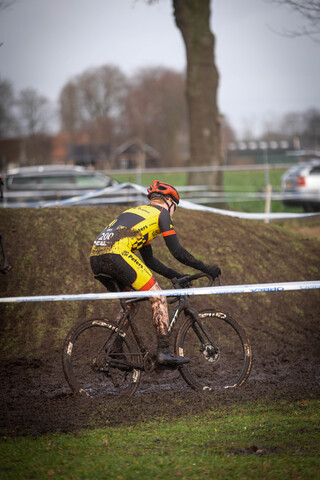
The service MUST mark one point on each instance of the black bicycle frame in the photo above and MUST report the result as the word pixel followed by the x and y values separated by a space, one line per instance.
pixel 197 325
pixel 183 305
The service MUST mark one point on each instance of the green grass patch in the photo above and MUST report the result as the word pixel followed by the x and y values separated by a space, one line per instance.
pixel 255 181
pixel 271 440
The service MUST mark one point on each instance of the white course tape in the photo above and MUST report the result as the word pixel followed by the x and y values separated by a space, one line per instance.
pixel 131 187
pixel 128 188
pixel 253 288
pixel 248 216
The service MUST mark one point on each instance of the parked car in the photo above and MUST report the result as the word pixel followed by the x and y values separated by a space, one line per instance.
pixel 51 182
pixel 301 185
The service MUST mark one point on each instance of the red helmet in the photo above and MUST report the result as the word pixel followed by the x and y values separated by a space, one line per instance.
pixel 163 188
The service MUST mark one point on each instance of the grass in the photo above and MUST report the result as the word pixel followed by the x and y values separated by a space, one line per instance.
pixel 233 181
pixel 268 439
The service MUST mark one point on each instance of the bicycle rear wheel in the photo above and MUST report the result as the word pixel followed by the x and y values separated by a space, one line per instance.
pixel 89 369
pixel 220 354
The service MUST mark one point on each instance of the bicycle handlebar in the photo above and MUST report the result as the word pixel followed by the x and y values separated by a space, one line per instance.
pixel 186 281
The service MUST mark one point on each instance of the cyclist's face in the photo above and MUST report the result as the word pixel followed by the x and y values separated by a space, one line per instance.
pixel 172 208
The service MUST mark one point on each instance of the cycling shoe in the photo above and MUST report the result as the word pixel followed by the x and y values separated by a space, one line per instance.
pixel 170 359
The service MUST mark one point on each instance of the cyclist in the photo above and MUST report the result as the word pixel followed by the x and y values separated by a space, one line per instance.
pixel 113 254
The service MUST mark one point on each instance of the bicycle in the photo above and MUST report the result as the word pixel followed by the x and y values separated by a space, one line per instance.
pixel 217 345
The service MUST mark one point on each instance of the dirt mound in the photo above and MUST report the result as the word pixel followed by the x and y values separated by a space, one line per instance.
pixel 48 251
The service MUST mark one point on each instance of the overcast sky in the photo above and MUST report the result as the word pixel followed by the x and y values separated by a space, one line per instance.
pixel 263 75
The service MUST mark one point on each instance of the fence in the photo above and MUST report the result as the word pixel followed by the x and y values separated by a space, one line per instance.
pixel 138 172
pixel 192 195
pixel 212 194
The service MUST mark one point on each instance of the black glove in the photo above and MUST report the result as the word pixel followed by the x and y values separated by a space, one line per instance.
pixel 213 270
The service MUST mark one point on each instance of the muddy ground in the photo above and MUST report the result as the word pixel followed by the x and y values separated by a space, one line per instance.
pixel 36 400
pixel 283 327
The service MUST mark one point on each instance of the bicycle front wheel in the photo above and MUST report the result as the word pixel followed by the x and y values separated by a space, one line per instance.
pixel 89 365
pixel 219 351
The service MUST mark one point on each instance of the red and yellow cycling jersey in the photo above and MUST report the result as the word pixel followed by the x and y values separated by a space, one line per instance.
pixel 133 229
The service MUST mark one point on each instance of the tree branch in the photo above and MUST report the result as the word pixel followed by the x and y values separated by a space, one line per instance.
pixel 309 10
pixel 5 4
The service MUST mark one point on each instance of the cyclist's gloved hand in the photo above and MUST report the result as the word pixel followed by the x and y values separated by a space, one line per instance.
pixel 213 270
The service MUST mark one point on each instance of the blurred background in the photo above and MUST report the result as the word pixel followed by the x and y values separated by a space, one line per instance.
pixel 105 85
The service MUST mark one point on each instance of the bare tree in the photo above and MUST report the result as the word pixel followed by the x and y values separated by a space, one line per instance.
pixel 155 111
pixel 300 128
pixel 92 100
pixel 8 124
pixel 70 108
pixel 34 111
pixel 309 10
pixel 292 124
pixel 311 134
pixel 3 5
pixel 101 91
pixel 192 18
pixel 108 108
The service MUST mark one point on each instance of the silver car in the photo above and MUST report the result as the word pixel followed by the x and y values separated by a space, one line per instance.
pixel 52 182
pixel 301 185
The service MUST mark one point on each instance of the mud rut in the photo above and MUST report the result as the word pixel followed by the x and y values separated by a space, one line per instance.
pixel 35 398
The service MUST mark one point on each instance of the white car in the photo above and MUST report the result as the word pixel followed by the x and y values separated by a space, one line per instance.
pixel 51 182
pixel 301 185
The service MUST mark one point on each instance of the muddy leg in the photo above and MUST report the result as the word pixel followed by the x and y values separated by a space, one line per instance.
pixel 160 314
pixel 161 322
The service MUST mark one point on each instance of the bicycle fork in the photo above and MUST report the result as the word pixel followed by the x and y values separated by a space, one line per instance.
pixel 208 347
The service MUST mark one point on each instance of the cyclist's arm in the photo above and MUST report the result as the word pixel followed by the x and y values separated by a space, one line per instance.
pixel 173 244
pixel 182 255
pixel 154 264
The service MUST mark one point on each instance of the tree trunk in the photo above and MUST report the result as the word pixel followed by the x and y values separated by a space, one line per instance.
pixel 192 18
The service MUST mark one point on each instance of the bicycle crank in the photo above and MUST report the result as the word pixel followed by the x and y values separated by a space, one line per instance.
pixel 149 362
